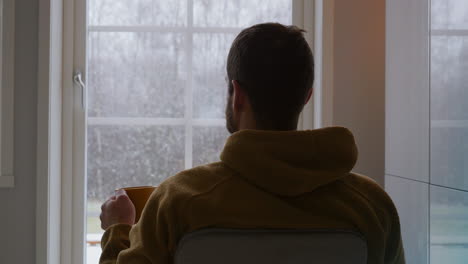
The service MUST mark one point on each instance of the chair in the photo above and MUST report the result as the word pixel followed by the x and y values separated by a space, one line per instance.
pixel 249 246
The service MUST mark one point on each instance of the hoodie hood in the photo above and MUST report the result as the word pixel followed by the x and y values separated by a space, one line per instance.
pixel 290 163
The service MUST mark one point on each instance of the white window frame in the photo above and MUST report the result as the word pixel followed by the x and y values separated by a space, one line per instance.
pixel 61 138
pixel 7 51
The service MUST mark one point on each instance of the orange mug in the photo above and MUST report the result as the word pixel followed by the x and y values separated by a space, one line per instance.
pixel 139 196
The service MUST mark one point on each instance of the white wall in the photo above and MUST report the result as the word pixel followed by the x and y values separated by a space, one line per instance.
pixel 17 205
pixel 359 79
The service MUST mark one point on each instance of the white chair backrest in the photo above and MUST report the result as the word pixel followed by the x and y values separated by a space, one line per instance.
pixel 254 246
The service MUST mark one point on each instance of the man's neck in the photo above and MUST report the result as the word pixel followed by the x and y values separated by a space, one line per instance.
pixel 247 121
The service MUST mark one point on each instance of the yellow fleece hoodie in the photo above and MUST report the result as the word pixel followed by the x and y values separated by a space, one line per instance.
pixel 266 179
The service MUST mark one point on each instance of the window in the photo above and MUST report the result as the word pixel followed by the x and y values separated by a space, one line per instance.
pixel 449 132
pixel 156 89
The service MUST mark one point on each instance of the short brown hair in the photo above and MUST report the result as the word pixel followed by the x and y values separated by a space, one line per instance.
pixel 274 65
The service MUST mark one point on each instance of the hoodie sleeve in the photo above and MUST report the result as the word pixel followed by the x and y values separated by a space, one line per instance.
pixel 151 241
pixel 115 239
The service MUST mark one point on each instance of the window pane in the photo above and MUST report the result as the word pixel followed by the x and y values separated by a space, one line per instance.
pixel 449 133
pixel 449 90
pixel 136 74
pixel 208 142
pixel 240 13
pixel 120 156
pixel 449 226
pixel 449 111
pixel 449 14
pixel 209 74
pixel 138 12
pixel 449 157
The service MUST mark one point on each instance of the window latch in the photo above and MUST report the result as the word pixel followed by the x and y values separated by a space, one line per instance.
pixel 77 79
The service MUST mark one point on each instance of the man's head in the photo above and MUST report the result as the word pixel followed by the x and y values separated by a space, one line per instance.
pixel 270 71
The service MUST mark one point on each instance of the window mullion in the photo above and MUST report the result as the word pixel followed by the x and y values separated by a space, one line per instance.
pixel 449 32
pixel 189 88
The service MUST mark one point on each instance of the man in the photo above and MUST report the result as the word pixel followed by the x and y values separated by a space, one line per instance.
pixel 270 175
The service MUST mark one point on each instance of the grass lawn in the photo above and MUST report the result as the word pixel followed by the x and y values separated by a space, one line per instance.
pixel 93 224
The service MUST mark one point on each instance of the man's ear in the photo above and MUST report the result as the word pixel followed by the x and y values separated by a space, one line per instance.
pixel 238 97
pixel 309 95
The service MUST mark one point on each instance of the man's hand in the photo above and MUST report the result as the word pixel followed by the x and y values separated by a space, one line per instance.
pixel 117 210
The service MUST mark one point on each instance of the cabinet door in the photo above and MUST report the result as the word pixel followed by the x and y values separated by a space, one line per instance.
pixel 407 89
pixel 411 200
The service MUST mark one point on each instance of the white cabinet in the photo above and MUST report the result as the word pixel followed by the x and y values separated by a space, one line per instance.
pixel 427 126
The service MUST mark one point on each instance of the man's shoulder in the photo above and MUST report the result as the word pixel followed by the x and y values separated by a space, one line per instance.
pixel 370 190
pixel 198 180
pixel 367 184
